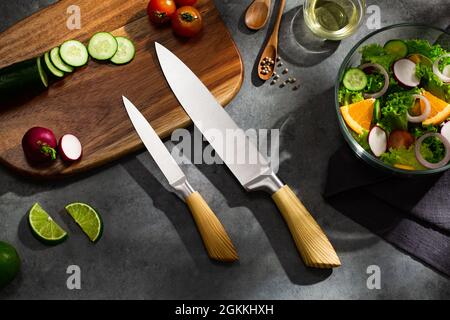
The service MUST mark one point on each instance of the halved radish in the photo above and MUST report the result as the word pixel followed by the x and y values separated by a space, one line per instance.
pixel 445 130
pixel 405 73
pixel 378 141
pixel 70 148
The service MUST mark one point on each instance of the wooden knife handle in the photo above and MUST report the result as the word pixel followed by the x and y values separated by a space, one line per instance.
pixel 312 243
pixel 216 240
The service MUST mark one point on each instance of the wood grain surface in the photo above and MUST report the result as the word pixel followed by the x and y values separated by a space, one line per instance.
pixel 88 102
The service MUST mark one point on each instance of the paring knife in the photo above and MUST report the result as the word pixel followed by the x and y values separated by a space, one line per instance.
pixel 209 117
pixel 215 238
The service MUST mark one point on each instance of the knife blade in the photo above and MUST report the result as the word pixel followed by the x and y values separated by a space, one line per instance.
pixel 209 117
pixel 216 240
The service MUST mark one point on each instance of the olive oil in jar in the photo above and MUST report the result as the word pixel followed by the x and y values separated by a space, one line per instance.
pixel 333 19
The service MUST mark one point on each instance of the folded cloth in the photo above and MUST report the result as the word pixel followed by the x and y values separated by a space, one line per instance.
pixel 413 213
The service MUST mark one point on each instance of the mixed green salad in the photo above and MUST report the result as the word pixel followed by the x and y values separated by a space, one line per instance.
pixel 396 103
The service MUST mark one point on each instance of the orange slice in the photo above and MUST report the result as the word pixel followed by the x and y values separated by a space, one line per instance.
pixel 358 116
pixel 440 110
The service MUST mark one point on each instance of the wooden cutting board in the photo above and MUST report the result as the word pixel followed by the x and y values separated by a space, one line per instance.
pixel 88 102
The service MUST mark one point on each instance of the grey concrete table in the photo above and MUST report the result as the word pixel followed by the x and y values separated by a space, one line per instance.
pixel 150 248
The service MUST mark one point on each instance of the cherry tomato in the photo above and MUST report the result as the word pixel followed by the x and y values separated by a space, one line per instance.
pixel 187 21
pixel 400 138
pixel 182 3
pixel 160 11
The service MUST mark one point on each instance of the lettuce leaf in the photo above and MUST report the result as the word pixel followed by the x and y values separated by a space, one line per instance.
pixel 420 131
pixel 374 53
pixel 402 156
pixel 362 139
pixel 375 82
pixel 432 83
pixel 347 97
pixel 425 48
pixel 432 149
pixel 394 112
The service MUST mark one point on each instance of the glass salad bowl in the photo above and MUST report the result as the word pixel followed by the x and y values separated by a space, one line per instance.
pixel 354 60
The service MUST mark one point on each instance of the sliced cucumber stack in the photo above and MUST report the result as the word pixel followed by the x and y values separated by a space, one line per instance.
pixel 42 73
pixel 51 68
pixel 57 61
pixel 22 76
pixel 125 51
pixel 102 46
pixel 74 53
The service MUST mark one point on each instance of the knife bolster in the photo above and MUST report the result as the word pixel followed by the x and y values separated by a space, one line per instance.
pixel 265 182
pixel 183 188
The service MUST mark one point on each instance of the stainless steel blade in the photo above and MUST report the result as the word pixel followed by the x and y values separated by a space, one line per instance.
pixel 213 121
pixel 154 145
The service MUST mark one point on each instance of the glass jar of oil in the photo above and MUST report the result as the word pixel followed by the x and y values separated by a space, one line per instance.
pixel 333 19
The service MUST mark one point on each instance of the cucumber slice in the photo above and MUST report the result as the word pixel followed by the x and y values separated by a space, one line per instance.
pixel 355 79
pixel 102 46
pixel 397 48
pixel 42 73
pixel 74 53
pixel 125 51
pixel 57 61
pixel 53 70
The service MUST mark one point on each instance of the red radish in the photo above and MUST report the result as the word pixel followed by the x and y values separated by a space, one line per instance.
pixel 405 73
pixel 39 145
pixel 70 148
pixel 399 139
pixel 378 141
pixel 445 130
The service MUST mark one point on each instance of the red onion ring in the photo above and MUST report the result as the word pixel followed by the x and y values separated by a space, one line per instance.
pixel 422 160
pixel 446 71
pixel 436 71
pixel 425 113
pixel 386 80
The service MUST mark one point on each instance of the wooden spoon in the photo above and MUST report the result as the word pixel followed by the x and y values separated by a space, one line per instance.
pixel 257 14
pixel 265 70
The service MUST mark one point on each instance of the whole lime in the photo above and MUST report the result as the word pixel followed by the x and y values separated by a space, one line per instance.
pixel 9 263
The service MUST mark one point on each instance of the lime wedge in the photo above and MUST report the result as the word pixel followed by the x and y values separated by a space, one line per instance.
pixel 44 228
pixel 87 218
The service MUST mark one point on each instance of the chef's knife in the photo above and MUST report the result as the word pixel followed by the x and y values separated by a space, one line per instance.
pixel 215 238
pixel 209 117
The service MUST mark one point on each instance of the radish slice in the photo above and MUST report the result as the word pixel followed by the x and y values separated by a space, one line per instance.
pixel 445 130
pixel 378 141
pixel 422 160
pixel 386 79
pixel 405 73
pixel 70 148
pixel 425 113
pixel 441 75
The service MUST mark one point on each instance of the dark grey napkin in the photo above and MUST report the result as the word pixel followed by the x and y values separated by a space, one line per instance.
pixel 413 214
